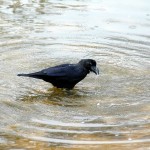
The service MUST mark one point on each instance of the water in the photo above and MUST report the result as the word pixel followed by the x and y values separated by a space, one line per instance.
pixel 109 111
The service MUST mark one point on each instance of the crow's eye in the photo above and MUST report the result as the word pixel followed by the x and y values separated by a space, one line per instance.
pixel 88 64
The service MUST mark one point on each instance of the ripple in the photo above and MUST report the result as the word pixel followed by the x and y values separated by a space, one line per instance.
pixel 61 141
pixel 86 125
pixel 111 109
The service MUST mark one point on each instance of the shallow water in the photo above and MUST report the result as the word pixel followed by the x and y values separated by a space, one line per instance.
pixel 109 111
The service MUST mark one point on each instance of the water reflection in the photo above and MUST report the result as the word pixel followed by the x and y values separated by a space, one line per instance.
pixel 54 96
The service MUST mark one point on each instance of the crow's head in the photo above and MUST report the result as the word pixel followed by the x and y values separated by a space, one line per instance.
pixel 89 65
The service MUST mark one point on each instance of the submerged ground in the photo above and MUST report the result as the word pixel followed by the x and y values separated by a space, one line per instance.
pixel 110 111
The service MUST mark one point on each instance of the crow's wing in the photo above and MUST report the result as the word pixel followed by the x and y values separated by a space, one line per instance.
pixel 59 71
pixel 65 71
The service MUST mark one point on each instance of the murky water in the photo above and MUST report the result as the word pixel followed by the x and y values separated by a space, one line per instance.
pixel 110 111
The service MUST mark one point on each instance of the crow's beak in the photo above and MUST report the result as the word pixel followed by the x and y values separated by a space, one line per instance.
pixel 95 70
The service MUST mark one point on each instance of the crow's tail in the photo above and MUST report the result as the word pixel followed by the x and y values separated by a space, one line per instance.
pixel 25 75
pixel 37 75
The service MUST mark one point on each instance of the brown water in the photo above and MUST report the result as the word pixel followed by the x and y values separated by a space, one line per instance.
pixel 109 111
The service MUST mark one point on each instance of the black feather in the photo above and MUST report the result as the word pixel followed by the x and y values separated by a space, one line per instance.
pixel 66 75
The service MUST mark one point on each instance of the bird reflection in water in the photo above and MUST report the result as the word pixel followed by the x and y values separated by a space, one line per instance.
pixel 55 96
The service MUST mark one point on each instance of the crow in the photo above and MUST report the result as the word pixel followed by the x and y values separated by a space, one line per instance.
pixel 66 75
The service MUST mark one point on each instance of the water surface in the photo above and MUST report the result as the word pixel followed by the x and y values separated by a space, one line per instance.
pixel 109 111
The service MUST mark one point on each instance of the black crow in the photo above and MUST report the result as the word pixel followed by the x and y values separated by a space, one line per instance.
pixel 66 75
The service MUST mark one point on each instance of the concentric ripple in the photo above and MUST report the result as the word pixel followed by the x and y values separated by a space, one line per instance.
pixel 109 111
